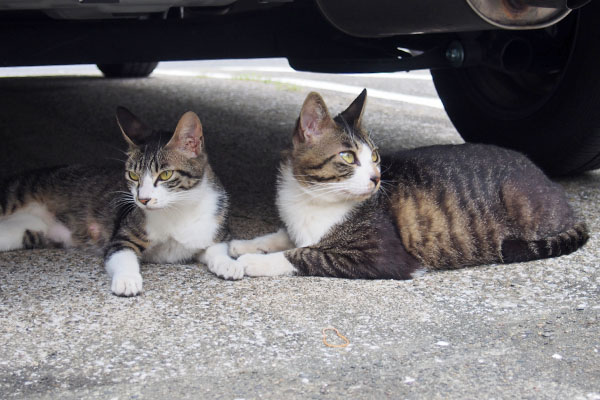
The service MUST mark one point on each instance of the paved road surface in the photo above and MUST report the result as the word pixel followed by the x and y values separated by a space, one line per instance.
pixel 514 331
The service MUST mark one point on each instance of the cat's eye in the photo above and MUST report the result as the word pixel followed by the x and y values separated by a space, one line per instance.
pixel 133 176
pixel 348 156
pixel 375 156
pixel 165 175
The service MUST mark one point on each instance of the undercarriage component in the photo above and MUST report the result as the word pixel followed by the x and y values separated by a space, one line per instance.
pixel 106 9
pixel 355 17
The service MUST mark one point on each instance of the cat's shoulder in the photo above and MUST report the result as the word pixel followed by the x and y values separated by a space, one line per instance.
pixel 456 157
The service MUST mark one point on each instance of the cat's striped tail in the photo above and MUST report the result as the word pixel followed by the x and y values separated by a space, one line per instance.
pixel 516 250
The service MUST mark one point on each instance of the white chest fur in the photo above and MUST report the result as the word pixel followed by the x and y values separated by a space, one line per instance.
pixel 180 231
pixel 307 218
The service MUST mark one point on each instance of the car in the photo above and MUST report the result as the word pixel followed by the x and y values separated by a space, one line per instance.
pixel 516 73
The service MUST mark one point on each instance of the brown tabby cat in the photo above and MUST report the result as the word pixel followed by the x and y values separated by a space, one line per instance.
pixel 166 205
pixel 445 207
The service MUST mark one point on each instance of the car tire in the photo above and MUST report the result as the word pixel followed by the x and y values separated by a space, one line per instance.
pixel 127 70
pixel 556 123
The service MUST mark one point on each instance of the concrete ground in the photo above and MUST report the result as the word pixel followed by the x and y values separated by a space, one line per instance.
pixel 527 330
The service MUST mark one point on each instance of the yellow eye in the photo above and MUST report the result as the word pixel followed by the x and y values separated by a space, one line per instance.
pixel 165 175
pixel 347 156
pixel 375 156
pixel 133 176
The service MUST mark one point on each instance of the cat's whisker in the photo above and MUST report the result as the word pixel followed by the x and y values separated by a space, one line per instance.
pixel 183 197
pixel 126 203
pixel 317 190
pixel 386 168
pixel 387 185
pixel 321 195
pixel 121 160
pixel 122 196
pixel 119 149
pixel 385 190
pixel 323 184
pixel 323 187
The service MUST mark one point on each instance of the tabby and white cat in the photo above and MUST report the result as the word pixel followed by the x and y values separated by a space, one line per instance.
pixel 445 207
pixel 166 205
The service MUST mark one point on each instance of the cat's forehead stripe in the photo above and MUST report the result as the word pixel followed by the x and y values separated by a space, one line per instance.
pixel 322 163
pixel 351 131
pixel 350 145
pixel 154 161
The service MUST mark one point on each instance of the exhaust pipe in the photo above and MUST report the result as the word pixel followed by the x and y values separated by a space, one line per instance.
pixel 521 14
pixel 355 17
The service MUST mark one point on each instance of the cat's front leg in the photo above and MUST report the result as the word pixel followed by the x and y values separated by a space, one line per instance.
pixel 273 264
pixel 270 243
pixel 123 267
pixel 338 262
pixel 219 263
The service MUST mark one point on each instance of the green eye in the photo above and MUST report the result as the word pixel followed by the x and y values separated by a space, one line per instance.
pixel 133 176
pixel 348 156
pixel 375 156
pixel 165 175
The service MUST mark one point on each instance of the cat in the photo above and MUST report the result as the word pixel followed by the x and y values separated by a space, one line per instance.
pixel 165 206
pixel 443 207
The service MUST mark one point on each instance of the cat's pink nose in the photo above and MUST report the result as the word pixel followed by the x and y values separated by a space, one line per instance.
pixel 375 179
pixel 143 201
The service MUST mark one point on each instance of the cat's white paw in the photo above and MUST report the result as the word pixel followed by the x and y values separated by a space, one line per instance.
pixel 127 284
pixel 273 264
pixel 226 268
pixel 240 247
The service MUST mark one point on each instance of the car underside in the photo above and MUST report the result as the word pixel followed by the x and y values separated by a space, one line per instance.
pixel 517 73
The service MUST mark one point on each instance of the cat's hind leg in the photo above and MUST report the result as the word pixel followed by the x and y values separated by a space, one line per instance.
pixel 30 227
pixel 271 243
pixel 21 230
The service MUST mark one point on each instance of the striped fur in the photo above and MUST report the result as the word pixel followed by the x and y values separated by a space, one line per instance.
pixel 441 206
pixel 100 209
pixel 464 205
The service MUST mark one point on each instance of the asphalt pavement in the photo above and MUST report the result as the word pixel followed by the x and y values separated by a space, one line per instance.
pixel 526 330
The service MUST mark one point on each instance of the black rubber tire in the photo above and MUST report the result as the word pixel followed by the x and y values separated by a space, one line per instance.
pixel 127 70
pixel 558 129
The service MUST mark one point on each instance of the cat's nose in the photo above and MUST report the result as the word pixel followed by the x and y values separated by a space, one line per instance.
pixel 375 179
pixel 143 201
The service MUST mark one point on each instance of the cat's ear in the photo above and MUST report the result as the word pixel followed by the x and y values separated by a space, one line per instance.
pixel 314 116
pixel 188 138
pixel 353 114
pixel 134 130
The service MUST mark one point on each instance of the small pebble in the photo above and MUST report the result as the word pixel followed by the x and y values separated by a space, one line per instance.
pixel 557 356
